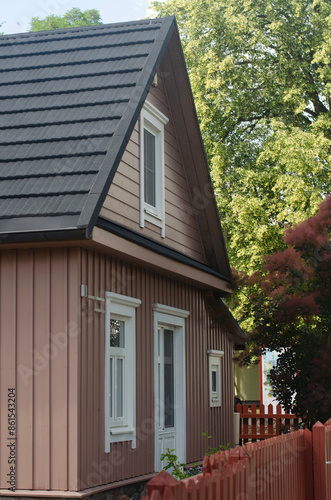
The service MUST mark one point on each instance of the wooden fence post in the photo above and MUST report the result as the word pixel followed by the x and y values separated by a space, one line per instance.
pixel 319 461
pixel 309 481
pixel 160 482
pixel 327 426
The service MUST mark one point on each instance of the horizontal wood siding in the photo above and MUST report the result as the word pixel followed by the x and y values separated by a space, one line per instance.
pixel 122 204
pixel 39 324
pixel 102 274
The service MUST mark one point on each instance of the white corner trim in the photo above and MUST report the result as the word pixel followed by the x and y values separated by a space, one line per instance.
pixel 172 311
pixel 155 113
pixel 212 352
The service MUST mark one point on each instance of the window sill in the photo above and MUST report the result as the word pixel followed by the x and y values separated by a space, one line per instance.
pixel 121 430
pixel 153 214
pixel 121 434
pixel 155 219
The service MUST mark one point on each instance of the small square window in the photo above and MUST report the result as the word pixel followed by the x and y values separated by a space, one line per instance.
pixel 215 377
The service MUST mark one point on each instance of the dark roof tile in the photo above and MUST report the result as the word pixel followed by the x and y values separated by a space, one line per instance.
pixel 69 100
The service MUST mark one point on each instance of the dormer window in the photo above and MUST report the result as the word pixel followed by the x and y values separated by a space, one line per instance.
pixel 152 123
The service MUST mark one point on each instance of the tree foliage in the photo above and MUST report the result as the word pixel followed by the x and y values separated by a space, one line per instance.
pixel 261 78
pixel 72 18
pixel 291 309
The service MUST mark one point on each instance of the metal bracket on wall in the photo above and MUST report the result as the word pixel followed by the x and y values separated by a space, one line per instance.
pixel 83 293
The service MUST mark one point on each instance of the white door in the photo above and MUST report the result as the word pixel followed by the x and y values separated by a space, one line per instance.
pixel 169 382
pixel 166 392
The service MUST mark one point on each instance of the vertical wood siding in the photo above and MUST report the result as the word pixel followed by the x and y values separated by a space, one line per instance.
pixel 102 274
pixel 39 300
pixel 122 204
pixel 52 352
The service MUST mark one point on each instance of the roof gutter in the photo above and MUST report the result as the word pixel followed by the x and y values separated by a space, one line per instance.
pixel 43 236
pixel 156 247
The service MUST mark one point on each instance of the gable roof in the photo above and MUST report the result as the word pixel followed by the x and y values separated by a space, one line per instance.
pixel 69 100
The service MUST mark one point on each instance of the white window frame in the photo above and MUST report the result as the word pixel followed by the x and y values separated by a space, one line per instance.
pixel 152 120
pixel 215 397
pixel 122 308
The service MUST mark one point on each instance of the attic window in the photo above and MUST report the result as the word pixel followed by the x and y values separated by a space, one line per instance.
pixel 152 123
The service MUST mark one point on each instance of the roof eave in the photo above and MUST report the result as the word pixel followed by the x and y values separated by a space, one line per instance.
pixel 43 236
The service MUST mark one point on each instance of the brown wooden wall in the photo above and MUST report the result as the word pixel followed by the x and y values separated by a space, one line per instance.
pixel 52 352
pixel 102 274
pixel 39 326
pixel 122 203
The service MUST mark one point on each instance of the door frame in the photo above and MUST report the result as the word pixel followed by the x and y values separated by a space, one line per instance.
pixel 174 318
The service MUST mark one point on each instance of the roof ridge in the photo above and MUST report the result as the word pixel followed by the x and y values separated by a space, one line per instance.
pixel 150 24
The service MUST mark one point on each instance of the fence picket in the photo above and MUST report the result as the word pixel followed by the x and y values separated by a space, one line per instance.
pixel 271 469
pixel 191 489
pixel 272 421
pixel 328 458
pixel 253 422
pixel 319 461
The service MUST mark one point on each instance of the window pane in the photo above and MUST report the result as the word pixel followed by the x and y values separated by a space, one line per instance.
pixel 159 343
pixel 159 389
pixel 119 388
pixel 117 333
pixel 169 415
pixel 111 388
pixel 213 381
pixel 149 168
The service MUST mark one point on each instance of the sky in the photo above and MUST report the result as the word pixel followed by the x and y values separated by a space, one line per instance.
pixel 17 14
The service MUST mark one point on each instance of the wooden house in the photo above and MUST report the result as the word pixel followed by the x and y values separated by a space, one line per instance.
pixel 114 341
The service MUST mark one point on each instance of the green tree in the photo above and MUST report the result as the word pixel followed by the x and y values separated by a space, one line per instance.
pixel 291 308
pixel 261 78
pixel 72 18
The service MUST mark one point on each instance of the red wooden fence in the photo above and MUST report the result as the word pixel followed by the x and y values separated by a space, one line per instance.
pixel 322 460
pixel 260 423
pixel 294 466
